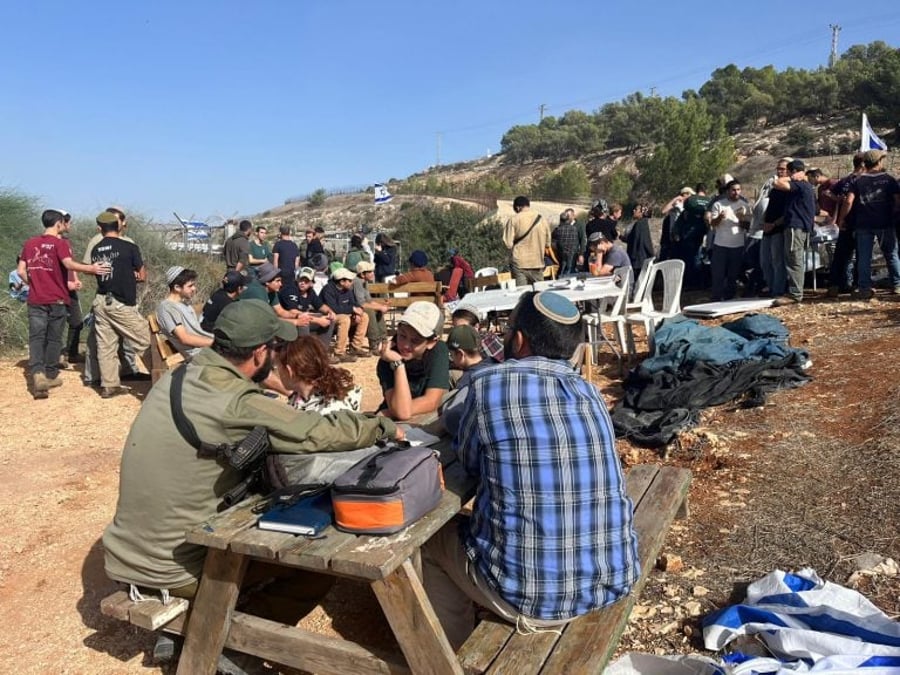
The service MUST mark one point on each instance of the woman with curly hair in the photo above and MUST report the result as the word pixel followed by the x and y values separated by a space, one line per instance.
pixel 317 385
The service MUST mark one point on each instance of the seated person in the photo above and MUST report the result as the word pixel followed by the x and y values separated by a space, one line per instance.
pixel 233 284
pixel 551 535
pixel 317 386
pixel 464 345
pixel 374 309
pixel 315 317
pixel 267 287
pixel 177 319
pixel 605 256
pixel 165 489
pixel 414 368
pixel 491 344
pixel 349 317
pixel 418 270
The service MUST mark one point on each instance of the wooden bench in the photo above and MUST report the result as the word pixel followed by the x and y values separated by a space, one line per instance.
pixel 587 643
pixel 401 297
pixel 163 354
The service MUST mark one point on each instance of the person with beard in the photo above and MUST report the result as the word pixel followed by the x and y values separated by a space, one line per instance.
pixel 165 489
pixel 550 536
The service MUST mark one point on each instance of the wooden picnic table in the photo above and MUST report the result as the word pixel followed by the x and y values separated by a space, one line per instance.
pixel 390 564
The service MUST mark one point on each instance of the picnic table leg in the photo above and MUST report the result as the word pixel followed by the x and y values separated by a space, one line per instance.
pixel 414 623
pixel 210 617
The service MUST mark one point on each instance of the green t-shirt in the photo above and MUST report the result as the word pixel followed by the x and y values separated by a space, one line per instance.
pixel 260 251
pixel 430 372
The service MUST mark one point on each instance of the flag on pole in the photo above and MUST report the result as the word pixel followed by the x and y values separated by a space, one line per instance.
pixel 382 196
pixel 869 139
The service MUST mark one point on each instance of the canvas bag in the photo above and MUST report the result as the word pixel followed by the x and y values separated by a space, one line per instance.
pixel 388 491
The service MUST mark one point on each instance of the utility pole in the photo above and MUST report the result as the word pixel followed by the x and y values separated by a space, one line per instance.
pixel 835 31
pixel 541 110
pixel 438 141
pixel 652 91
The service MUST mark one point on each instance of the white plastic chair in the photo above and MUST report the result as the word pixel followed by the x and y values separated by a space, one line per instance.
pixel 486 272
pixel 648 315
pixel 640 286
pixel 610 314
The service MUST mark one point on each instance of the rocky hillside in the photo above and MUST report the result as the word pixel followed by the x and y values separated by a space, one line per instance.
pixel 827 143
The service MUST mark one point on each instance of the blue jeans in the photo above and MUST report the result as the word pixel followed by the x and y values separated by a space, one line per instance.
pixel 771 256
pixel 45 331
pixel 865 245
pixel 841 272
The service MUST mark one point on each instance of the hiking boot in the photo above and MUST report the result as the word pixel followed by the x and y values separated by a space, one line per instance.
pixel 784 300
pixel 39 394
pixel 109 392
pixel 235 663
pixel 362 353
pixel 40 382
pixel 55 382
pixel 346 358
pixel 863 294
pixel 63 362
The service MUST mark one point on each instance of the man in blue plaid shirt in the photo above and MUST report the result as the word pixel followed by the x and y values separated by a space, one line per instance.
pixel 550 537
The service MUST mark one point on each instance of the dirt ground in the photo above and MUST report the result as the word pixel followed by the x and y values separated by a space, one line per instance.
pixel 810 479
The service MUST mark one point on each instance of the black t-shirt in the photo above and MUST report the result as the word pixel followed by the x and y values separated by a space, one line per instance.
pixel 873 201
pixel 311 302
pixel 313 248
pixel 125 258
pixel 213 307
pixel 287 257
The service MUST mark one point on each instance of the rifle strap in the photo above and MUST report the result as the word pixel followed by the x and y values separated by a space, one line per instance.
pixel 184 425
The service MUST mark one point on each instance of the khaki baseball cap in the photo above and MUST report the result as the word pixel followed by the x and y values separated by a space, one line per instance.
pixel 424 317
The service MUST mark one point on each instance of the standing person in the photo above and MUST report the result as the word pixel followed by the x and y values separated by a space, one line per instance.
pixel 840 276
pixel 115 306
pixel 315 247
pixel 385 257
pixel 565 242
pixel 44 264
pixel 129 366
pixel 260 251
pixel 237 248
pixel 671 212
pixel 729 218
pixel 233 284
pixel 356 253
pixel 799 218
pixel 374 309
pixel 876 198
pixel 771 252
pixel 688 233
pixel 176 316
pixel 551 535
pixel 350 319
pixel 286 257
pixel 414 368
pixel 74 317
pixel 639 243
pixel 526 236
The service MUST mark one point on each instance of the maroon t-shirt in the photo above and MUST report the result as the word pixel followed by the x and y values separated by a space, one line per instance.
pixel 47 275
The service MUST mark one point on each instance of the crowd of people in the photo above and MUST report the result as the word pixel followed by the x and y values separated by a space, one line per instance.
pixel 284 321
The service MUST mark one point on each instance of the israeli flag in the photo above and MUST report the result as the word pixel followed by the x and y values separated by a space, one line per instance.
pixel 869 139
pixel 382 196
pixel 807 625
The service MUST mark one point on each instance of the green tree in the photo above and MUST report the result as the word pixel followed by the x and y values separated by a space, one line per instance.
pixel 317 198
pixel 695 148
pixel 434 229
pixel 619 184
pixel 570 182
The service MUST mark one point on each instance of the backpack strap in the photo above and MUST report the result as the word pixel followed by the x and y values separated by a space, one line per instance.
pixel 185 427
pixel 527 232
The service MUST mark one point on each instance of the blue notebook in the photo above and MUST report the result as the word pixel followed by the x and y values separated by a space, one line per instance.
pixel 308 516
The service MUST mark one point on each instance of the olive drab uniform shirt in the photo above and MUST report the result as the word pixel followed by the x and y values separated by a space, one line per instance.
pixel 165 489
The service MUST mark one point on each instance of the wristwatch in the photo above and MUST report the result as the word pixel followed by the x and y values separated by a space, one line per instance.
pixel 396 364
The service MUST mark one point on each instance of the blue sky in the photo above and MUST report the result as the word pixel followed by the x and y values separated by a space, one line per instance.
pixel 222 108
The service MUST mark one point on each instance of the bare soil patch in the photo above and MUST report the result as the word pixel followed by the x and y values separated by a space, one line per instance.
pixel 810 479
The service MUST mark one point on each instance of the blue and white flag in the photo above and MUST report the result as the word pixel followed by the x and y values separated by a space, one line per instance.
pixel 807 625
pixel 382 196
pixel 869 139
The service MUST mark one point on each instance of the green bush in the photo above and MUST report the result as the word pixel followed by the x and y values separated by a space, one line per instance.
pixel 317 198
pixel 570 182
